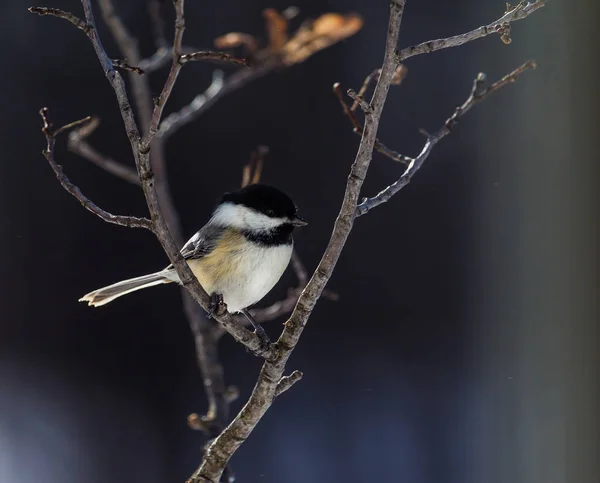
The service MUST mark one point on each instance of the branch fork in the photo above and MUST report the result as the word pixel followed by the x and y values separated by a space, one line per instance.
pixel 364 105
pixel 50 134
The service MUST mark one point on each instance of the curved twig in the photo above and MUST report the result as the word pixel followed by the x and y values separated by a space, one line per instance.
pixel 128 221
pixel 500 26
pixel 477 95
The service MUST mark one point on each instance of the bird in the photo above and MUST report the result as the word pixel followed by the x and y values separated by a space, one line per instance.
pixel 238 256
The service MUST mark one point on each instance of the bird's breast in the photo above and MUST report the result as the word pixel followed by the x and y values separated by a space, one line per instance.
pixel 242 271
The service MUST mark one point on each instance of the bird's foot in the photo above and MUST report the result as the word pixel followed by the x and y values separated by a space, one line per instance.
pixel 216 306
pixel 265 342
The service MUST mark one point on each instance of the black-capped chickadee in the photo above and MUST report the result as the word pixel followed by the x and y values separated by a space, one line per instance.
pixel 238 256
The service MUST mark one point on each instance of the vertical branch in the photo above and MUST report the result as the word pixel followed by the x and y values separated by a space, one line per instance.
pixel 226 444
pixel 206 340
pixel 344 222
pixel 205 334
pixel 173 73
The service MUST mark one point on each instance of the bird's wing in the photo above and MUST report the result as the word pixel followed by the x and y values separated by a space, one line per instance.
pixel 202 243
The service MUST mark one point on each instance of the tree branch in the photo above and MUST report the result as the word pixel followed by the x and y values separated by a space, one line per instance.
pixel 286 382
pixel 360 101
pixel 477 95
pixel 173 74
pixel 202 102
pixel 129 221
pixel 225 445
pixel 344 222
pixel 500 26
pixel 122 64
pixel 204 330
pixel 57 12
pixel 213 56
pixel 160 58
pixel 349 112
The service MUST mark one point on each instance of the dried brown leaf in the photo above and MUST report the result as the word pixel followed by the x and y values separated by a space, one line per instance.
pixel 252 171
pixel 310 38
pixel 325 31
pixel 237 39
pixel 277 27
pixel 336 26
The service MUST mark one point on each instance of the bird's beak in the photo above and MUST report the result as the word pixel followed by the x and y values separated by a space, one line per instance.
pixel 297 221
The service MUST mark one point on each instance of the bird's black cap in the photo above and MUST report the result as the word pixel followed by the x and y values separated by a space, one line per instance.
pixel 264 199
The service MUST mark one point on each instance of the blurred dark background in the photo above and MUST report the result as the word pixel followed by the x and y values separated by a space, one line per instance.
pixel 463 347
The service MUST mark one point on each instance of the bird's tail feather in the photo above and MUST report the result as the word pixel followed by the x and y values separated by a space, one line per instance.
pixel 107 294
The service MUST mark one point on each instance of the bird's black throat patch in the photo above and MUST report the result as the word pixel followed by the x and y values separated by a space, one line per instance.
pixel 282 235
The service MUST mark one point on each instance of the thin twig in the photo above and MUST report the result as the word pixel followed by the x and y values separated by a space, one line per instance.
pixel 213 56
pixel 122 64
pixel 287 382
pixel 172 77
pixel 397 79
pixel 477 95
pixel 175 121
pixel 364 105
pixel 128 221
pixel 57 12
pixel 67 127
pixel 379 146
pixel 363 89
pixel 202 102
pixel 337 90
pixel 161 58
pixel 500 26
pixel 225 445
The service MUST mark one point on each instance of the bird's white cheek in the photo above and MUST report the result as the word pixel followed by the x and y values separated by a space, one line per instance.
pixel 244 218
pixel 258 221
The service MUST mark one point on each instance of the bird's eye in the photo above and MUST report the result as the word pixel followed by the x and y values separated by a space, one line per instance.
pixel 271 213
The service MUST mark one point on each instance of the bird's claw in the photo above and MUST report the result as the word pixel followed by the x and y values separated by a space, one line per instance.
pixel 265 342
pixel 216 306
